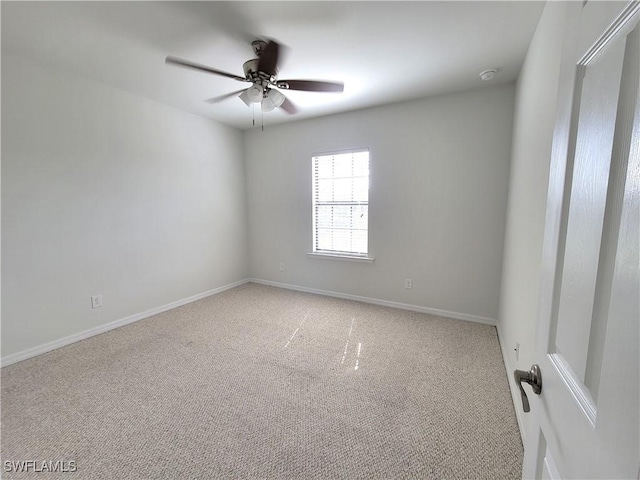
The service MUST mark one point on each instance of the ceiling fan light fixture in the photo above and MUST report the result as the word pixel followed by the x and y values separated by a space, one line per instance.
pixel 261 73
pixel 272 100
pixel 244 96
pixel 254 93
pixel 276 97
pixel 267 105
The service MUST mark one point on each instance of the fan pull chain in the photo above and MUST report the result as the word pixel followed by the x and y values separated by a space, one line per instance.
pixel 262 119
pixel 253 112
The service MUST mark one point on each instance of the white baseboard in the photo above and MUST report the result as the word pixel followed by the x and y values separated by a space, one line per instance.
pixel 76 337
pixel 385 303
pixel 515 391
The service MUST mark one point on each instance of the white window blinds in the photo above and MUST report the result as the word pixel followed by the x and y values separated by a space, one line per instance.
pixel 341 203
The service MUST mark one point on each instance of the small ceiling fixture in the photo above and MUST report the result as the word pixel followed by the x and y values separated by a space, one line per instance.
pixel 488 74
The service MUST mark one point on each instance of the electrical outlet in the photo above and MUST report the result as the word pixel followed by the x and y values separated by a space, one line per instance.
pixel 408 283
pixel 96 301
pixel 282 266
pixel 517 350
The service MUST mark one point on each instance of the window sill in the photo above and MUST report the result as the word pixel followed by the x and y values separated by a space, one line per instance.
pixel 344 258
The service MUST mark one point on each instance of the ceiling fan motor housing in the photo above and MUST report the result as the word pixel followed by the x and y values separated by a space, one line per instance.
pixel 258 46
pixel 250 67
pixel 252 74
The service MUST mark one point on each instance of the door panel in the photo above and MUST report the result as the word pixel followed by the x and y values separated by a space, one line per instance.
pixel 587 417
pixel 599 83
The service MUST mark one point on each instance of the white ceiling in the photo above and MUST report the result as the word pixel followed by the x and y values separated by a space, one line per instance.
pixel 383 51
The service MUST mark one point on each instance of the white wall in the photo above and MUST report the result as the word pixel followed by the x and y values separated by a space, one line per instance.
pixel 107 193
pixel 438 190
pixel 534 118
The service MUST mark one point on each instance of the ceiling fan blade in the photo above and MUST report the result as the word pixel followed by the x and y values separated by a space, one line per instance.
pixel 268 60
pixel 310 85
pixel 288 106
pixel 203 68
pixel 225 96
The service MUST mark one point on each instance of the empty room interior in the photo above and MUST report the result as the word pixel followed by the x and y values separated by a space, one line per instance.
pixel 320 240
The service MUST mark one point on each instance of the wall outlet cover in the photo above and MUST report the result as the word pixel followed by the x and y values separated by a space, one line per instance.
pixel 96 301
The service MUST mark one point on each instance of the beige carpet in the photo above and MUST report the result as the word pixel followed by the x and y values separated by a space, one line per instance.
pixel 259 382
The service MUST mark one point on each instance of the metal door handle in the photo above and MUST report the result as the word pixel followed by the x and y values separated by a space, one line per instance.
pixel 534 378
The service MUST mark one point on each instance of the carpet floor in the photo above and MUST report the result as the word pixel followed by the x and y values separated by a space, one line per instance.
pixel 260 382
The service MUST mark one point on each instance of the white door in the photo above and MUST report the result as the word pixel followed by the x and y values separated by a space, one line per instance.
pixel 587 417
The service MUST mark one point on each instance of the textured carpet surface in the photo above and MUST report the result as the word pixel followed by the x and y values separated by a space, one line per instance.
pixel 259 382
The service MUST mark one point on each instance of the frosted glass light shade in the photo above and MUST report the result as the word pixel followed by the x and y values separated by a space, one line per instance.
pixel 245 98
pixel 255 93
pixel 272 100
pixel 276 97
pixel 267 105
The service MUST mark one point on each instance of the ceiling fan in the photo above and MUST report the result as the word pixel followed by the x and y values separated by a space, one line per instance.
pixel 262 73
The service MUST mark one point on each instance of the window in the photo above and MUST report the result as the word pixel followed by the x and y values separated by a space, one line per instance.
pixel 341 203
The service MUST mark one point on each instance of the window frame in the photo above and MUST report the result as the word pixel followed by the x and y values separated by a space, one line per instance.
pixel 338 254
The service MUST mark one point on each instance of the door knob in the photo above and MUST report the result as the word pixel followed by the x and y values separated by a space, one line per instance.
pixel 534 378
